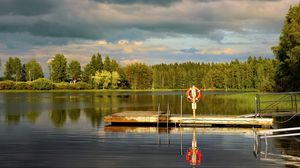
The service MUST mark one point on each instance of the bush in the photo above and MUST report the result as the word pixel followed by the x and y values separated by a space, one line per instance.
pixel 42 84
pixel 7 85
pixel 22 86
pixel 62 85
pixel 80 86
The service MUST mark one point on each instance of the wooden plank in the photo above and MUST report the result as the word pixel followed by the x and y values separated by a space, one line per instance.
pixel 151 117
pixel 178 130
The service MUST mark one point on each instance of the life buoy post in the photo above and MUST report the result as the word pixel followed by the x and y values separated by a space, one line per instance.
pixel 194 94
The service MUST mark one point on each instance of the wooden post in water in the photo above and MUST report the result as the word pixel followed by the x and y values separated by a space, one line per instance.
pixel 292 103
pixel 158 111
pixel 180 109
pixel 168 112
pixel 296 103
pixel 181 141
pixel 181 136
pixel 257 105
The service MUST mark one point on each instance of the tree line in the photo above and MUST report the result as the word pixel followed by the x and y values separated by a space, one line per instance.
pixel 251 74
pixel 255 73
pixel 97 74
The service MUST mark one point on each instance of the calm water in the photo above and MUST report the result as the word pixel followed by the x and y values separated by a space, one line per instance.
pixel 67 130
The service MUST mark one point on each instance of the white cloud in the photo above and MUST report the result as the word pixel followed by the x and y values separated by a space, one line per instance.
pixel 130 61
pixel 102 42
pixel 218 51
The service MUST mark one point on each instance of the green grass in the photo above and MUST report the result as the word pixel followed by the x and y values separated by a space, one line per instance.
pixel 268 102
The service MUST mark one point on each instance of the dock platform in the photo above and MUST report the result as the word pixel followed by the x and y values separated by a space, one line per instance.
pixel 162 119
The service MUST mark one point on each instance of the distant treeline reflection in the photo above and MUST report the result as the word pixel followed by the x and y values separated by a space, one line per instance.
pixel 62 108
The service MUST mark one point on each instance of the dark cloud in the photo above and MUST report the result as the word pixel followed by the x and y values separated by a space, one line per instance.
pixel 27 24
pixel 65 23
pixel 68 29
pixel 14 27
pixel 27 7
pixel 18 42
pixel 145 2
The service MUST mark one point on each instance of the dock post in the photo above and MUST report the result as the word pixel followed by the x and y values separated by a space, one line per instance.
pixel 181 141
pixel 257 105
pixel 266 146
pixel 181 136
pixel 255 99
pixel 158 111
pixel 292 102
pixel 168 111
pixel 180 109
pixel 296 103
pixel 258 146
pixel 258 100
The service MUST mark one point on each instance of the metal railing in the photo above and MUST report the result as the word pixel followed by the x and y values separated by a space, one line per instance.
pixel 267 134
pixel 276 104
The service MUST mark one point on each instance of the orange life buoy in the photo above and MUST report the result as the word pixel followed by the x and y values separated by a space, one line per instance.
pixel 189 157
pixel 198 94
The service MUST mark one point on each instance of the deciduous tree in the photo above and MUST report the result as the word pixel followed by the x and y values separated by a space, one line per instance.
pixel 102 79
pixel 74 70
pixel 139 76
pixel 13 69
pixel 58 68
pixel 33 70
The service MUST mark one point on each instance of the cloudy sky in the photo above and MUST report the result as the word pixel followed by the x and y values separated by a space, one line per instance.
pixel 150 31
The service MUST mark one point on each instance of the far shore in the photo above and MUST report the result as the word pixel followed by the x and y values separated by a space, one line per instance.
pixel 127 90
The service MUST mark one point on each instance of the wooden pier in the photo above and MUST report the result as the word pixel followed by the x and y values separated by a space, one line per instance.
pixel 161 119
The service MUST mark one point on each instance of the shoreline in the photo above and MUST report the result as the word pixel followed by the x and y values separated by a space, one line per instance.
pixel 127 90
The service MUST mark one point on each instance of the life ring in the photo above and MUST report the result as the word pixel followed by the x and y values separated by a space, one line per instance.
pixel 189 157
pixel 189 94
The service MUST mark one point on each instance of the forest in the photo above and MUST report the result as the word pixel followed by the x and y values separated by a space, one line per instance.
pixel 255 73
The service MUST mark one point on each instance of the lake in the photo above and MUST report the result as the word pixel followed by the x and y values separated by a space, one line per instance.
pixel 65 129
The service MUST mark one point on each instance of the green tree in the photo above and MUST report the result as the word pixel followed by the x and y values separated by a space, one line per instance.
pixel 90 69
pixel 102 79
pixel 139 76
pixel 115 79
pixel 287 52
pixel 87 73
pixel 58 68
pixel 13 69
pixel 74 70
pixel 33 70
pixel 107 64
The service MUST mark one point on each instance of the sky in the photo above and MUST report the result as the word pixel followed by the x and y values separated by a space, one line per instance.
pixel 148 31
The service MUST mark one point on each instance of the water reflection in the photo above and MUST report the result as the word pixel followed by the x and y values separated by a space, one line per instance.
pixel 194 155
pixel 58 117
pixel 74 115
pixel 18 107
pixel 94 115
